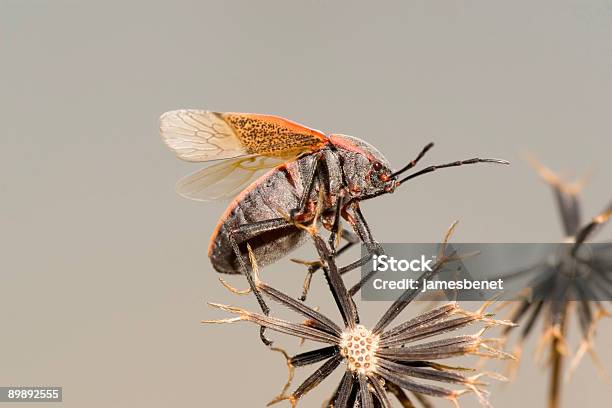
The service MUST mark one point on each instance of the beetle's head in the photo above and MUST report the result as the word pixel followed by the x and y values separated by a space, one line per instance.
pixel 367 171
pixel 368 174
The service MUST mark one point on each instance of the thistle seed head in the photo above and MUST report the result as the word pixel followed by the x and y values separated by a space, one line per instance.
pixel 359 346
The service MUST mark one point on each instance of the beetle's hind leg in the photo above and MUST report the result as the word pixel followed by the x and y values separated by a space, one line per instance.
pixel 255 228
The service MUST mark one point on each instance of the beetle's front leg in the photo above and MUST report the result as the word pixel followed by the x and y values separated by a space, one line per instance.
pixel 357 221
pixel 362 229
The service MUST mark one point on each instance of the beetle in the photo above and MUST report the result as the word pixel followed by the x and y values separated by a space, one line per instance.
pixel 304 166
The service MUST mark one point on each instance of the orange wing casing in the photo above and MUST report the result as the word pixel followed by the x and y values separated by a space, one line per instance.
pixel 273 135
pixel 199 135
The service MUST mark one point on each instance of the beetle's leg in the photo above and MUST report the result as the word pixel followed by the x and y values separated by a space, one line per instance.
pixel 338 231
pixel 314 266
pixel 336 225
pixel 262 304
pixel 253 228
pixel 351 239
pixel 333 179
pixel 363 233
pixel 364 279
pixel 309 170
pixel 361 228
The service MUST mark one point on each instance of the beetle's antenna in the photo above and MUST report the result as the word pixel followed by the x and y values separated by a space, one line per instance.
pixel 453 164
pixel 414 162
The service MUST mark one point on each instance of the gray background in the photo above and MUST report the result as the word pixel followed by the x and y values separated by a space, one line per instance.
pixel 104 268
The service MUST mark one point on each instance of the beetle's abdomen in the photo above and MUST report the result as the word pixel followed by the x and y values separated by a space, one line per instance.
pixel 270 197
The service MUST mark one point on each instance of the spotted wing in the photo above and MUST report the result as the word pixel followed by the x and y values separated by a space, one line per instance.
pixel 199 136
pixel 226 179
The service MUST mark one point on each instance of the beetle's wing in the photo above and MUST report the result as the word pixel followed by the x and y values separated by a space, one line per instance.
pixel 226 179
pixel 198 135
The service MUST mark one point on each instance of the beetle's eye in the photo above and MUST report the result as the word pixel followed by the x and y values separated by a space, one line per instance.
pixel 377 165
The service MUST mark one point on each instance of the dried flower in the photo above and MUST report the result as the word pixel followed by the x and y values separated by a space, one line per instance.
pixel 378 361
pixel 567 283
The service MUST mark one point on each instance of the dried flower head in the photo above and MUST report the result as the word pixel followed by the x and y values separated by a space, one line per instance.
pixel 564 284
pixel 377 361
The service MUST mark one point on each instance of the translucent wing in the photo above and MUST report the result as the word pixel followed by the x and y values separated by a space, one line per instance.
pixel 198 135
pixel 226 179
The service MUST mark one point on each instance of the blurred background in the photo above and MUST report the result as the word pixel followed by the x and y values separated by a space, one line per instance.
pixel 104 273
